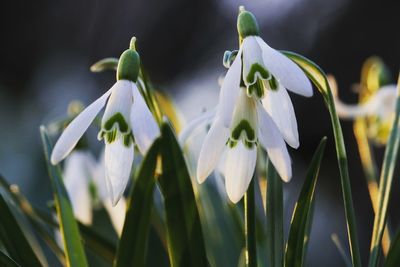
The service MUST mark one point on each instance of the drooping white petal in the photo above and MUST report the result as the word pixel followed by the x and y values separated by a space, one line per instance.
pixel 117 214
pixel 144 127
pixel 76 179
pixel 212 148
pixel 120 101
pixel 285 70
pixel 252 54
pixel 279 106
pixel 74 131
pixel 239 169
pixel 230 90
pixel 118 164
pixel 271 139
pixel 381 104
pixel 196 124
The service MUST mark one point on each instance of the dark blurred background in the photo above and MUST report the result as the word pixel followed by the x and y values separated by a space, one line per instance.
pixel 48 46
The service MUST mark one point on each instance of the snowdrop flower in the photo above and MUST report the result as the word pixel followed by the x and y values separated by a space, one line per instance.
pixel 85 183
pixel 378 109
pixel 126 120
pixel 254 108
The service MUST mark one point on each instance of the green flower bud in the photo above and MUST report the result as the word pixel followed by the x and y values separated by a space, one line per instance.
pixel 129 64
pixel 247 24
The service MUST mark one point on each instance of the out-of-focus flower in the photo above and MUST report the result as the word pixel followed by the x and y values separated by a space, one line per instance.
pixel 126 120
pixel 85 183
pixel 254 107
pixel 378 109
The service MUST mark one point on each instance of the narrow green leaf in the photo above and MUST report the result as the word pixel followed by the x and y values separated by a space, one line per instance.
pixel 75 253
pixel 132 247
pixel 339 246
pixel 6 261
pixel 318 77
pixel 393 257
pixel 185 237
pixel 250 225
pixel 27 209
pixel 274 210
pixel 303 212
pixel 385 185
pixel 14 239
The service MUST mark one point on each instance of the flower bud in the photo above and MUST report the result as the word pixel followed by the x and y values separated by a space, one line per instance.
pixel 129 64
pixel 247 24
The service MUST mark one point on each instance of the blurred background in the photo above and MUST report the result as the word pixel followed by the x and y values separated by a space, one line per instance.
pixel 47 48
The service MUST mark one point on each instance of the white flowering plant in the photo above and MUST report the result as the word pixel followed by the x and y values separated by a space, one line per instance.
pixel 162 213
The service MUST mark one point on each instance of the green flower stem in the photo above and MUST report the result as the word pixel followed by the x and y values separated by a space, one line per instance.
pixel 318 77
pixel 371 173
pixel 389 163
pixel 250 226
pixel 274 210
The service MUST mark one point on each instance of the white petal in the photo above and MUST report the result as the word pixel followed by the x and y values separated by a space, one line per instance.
pixel 279 106
pixel 285 70
pixel 239 169
pixel 117 214
pixel 251 54
pixel 99 177
pixel 271 139
pixel 120 101
pixel 118 163
pixel 230 90
pixel 211 150
pixel 74 131
pixel 144 127
pixel 195 124
pixel 76 179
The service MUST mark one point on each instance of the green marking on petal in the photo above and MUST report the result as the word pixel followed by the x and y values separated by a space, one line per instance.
pixel 256 89
pixel 128 139
pixel 257 68
pixel 119 119
pixel 247 24
pixel 273 83
pixel 231 143
pixel 245 126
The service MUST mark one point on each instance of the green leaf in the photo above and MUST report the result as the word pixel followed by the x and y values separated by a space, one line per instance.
pixel 6 261
pixel 318 77
pixel 250 224
pixel 75 253
pixel 132 247
pixel 303 212
pixel 14 239
pixel 385 185
pixel 185 237
pixel 393 257
pixel 27 209
pixel 274 210
pixel 339 246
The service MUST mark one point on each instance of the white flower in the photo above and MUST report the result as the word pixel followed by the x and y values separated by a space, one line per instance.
pixel 126 120
pixel 85 185
pixel 254 108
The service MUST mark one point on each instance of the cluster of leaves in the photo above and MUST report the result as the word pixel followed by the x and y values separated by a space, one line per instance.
pixel 194 225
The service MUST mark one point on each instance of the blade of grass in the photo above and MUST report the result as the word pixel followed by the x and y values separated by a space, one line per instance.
pixel 338 245
pixel 14 239
pixel 132 246
pixel 385 185
pixel 35 221
pixel 185 238
pixel 303 212
pixel 6 261
pixel 274 211
pixel 393 256
pixel 318 77
pixel 75 253
pixel 250 225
